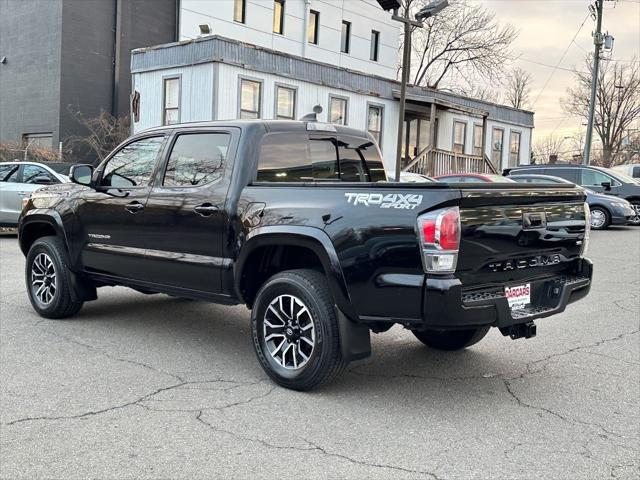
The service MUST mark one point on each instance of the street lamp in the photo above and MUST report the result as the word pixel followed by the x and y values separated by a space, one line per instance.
pixel 425 12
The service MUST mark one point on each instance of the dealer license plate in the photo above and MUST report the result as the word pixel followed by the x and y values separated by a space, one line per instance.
pixel 518 296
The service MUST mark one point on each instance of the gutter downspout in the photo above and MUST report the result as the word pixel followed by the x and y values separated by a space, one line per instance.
pixel 305 27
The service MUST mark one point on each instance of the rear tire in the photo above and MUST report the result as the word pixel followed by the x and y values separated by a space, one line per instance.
pixel 600 218
pixel 295 330
pixel 47 278
pixel 451 339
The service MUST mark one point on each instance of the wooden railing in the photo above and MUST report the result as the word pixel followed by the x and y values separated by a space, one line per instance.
pixel 433 162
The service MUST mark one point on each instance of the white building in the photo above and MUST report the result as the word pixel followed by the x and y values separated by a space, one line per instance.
pixel 281 58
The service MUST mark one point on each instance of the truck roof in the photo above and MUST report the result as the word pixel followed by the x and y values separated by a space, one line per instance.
pixel 269 125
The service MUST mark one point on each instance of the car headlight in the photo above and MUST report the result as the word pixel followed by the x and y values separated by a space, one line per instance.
pixel 621 204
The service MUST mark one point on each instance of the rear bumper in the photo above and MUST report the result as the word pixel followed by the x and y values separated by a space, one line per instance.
pixel 448 305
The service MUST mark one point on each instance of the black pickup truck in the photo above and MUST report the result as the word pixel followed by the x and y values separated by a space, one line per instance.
pixel 296 220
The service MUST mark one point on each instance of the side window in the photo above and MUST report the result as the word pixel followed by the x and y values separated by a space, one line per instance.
pixel 570 174
pixel 635 172
pixel 284 158
pixel 196 159
pixel 595 178
pixel 133 164
pixel 35 174
pixel 9 173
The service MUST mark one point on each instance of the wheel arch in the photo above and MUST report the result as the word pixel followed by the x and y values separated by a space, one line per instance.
pixel 269 250
pixel 37 225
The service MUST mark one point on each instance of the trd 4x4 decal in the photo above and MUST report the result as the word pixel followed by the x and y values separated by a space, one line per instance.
pixel 391 200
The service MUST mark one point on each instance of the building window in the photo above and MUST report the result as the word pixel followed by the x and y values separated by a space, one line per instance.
pixel 285 103
pixel 375 42
pixel 314 24
pixel 38 140
pixel 477 140
pixel 497 138
pixel 239 10
pixel 514 150
pixel 374 122
pixel 278 16
pixel 338 110
pixel 250 98
pixel 346 37
pixel 459 136
pixel 171 112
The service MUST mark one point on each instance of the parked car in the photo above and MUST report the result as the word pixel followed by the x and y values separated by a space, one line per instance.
pixel 296 221
pixel 631 169
pixel 472 178
pixel 19 179
pixel 598 179
pixel 605 209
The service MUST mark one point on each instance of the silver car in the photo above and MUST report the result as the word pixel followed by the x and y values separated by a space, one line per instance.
pixel 19 179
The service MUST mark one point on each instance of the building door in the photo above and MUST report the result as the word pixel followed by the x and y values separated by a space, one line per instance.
pixel 416 136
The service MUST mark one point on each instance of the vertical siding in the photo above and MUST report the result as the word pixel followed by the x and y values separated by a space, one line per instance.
pixel 308 95
pixel 196 94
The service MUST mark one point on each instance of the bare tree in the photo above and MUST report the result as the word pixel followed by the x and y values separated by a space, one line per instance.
pixel 548 148
pixel 464 40
pixel 477 91
pixel 104 133
pixel 518 88
pixel 617 104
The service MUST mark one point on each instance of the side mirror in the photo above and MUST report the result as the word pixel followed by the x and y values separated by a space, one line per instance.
pixel 43 180
pixel 81 174
pixel 606 185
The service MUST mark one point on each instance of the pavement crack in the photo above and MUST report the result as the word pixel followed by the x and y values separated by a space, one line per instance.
pixel 113 357
pixel 312 447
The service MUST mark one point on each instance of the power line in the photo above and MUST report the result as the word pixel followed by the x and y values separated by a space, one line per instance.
pixel 561 59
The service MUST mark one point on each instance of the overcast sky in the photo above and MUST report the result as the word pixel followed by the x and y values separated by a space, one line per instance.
pixel 546 30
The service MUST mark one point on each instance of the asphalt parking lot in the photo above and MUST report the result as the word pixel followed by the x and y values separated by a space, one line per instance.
pixel 157 387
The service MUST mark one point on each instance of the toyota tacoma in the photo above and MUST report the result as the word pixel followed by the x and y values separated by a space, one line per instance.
pixel 297 221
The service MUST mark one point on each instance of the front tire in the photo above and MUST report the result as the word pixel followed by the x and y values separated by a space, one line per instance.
pixel 451 339
pixel 636 206
pixel 295 330
pixel 47 279
pixel 600 218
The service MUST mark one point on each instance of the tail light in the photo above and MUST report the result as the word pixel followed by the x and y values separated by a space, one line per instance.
pixel 439 233
pixel 587 230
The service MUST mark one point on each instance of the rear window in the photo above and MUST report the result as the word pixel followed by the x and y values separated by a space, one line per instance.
pixel 288 157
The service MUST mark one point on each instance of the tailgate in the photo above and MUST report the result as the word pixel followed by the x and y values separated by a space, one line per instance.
pixel 510 234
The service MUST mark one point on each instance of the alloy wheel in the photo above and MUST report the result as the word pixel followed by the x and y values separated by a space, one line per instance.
pixel 598 218
pixel 289 332
pixel 635 220
pixel 43 279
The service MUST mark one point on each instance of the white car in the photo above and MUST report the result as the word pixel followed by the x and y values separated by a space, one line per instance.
pixel 632 169
pixel 19 180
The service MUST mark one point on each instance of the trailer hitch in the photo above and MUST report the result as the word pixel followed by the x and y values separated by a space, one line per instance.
pixel 521 330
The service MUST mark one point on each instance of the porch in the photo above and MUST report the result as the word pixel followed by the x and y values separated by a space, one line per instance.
pixel 435 138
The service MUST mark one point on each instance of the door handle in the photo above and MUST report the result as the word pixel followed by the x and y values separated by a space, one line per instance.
pixel 134 207
pixel 205 209
pixel 23 193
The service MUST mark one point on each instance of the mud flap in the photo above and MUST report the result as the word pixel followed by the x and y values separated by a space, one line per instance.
pixel 355 340
pixel 82 290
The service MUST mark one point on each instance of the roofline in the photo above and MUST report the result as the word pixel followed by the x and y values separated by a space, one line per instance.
pixel 216 48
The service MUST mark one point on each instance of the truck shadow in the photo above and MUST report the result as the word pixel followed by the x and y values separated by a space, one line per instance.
pixel 206 334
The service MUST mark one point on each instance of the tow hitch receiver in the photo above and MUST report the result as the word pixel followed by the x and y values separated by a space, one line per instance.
pixel 521 330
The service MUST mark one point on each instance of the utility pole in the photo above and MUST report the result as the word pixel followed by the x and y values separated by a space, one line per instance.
pixel 598 40
pixel 406 68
